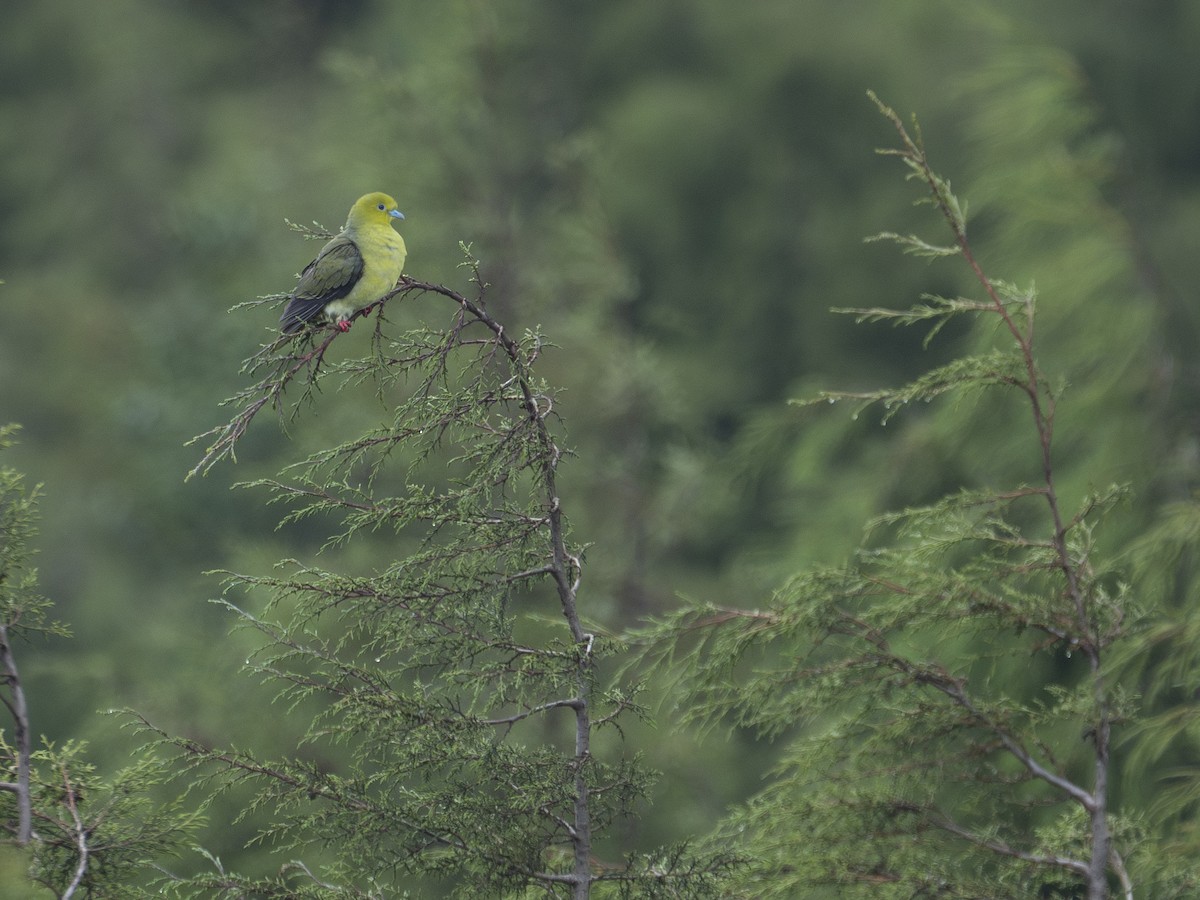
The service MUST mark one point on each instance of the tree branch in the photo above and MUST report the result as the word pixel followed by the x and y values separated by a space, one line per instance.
pixel 80 833
pixel 1090 640
pixel 1060 862
pixel 20 713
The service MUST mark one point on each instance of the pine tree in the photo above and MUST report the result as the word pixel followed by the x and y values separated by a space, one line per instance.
pixel 917 763
pixel 73 830
pixel 456 684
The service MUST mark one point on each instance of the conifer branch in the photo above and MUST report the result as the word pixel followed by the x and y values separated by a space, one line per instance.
pixel 1090 640
pixel 1041 402
pixel 1001 848
pixel 565 569
pixel 421 658
pixel 852 655
pixel 955 690
pixel 80 834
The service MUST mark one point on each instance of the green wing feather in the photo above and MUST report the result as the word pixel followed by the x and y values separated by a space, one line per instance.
pixel 329 277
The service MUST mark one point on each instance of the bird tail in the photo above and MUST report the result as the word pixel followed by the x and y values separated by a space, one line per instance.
pixel 298 312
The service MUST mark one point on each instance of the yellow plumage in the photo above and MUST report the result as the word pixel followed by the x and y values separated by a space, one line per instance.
pixel 358 267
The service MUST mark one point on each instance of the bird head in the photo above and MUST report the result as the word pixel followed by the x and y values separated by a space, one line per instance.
pixel 373 209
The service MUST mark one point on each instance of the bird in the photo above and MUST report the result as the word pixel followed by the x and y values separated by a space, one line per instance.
pixel 357 268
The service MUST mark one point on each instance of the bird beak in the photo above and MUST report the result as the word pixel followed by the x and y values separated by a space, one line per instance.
pixel 396 214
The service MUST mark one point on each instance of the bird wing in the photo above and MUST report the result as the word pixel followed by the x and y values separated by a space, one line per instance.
pixel 331 276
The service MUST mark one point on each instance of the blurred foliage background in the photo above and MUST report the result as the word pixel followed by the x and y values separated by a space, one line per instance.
pixel 677 192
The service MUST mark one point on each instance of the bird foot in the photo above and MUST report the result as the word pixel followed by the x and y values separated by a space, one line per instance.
pixel 343 326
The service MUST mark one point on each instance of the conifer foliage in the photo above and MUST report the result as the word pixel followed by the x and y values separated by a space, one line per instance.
pixel 68 830
pixel 458 679
pixel 917 763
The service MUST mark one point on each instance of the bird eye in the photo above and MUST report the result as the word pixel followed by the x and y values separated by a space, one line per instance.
pixel 381 206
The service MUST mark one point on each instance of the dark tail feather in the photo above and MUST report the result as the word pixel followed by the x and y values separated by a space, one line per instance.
pixel 299 312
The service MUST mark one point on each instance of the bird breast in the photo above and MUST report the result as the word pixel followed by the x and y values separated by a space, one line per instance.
pixel 383 260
